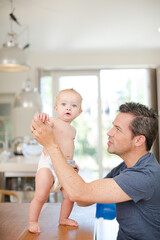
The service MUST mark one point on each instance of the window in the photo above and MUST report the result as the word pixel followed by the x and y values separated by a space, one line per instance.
pixel 6 101
pixel 102 92
pixel 117 87
pixel 86 144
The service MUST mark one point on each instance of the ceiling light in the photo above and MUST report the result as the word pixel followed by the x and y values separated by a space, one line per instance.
pixel 12 57
pixel 28 98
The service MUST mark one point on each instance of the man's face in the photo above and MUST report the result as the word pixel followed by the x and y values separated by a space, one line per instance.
pixel 120 139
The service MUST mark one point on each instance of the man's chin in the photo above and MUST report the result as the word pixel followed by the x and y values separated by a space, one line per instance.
pixel 110 150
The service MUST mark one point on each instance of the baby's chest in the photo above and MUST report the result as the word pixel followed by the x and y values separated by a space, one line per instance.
pixel 64 133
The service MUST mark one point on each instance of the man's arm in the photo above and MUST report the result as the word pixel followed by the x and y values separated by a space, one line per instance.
pixel 102 191
pixel 84 204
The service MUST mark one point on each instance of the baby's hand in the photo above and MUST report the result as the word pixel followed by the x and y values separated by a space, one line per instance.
pixel 44 117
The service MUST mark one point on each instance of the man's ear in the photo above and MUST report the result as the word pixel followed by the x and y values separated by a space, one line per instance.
pixel 80 111
pixel 140 140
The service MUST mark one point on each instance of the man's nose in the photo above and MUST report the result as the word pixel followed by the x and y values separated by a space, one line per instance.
pixel 110 132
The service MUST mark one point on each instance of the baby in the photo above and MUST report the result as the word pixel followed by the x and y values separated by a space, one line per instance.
pixel 67 107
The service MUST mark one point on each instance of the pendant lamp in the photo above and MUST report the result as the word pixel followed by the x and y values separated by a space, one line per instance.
pixel 28 98
pixel 26 104
pixel 12 57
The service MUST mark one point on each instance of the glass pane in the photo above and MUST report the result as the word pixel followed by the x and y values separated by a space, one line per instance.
pixel 117 87
pixel 86 124
pixel 5 125
pixel 46 94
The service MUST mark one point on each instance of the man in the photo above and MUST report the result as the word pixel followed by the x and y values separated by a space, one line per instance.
pixel 134 185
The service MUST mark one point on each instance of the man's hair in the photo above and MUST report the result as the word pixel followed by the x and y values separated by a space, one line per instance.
pixel 145 122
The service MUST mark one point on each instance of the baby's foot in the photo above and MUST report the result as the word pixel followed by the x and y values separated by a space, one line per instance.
pixel 67 221
pixel 34 227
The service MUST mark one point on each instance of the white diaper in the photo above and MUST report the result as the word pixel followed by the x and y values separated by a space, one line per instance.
pixel 45 162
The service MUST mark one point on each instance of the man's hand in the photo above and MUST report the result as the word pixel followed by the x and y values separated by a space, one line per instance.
pixel 76 168
pixel 42 131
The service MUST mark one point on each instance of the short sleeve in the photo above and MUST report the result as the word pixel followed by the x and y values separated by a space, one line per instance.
pixel 115 171
pixel 137 184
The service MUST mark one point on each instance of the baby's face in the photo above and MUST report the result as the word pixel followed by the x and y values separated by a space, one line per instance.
pixel 68 106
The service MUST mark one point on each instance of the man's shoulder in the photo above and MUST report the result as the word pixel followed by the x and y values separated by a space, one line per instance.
pixel 115 171
pixel 148 161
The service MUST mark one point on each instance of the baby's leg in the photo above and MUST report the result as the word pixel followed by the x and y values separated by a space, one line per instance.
pixel 44 181
pixel 66 209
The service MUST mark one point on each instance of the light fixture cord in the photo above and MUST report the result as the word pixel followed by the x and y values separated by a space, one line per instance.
pixel 11 23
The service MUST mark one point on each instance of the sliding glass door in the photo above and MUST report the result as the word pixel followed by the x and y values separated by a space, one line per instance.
pixel 102 92
pixel 117 87
pixel 87 127
pixel 86 144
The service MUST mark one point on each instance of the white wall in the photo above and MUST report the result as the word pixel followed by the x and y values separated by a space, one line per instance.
pixel 97 59
pixel 13 82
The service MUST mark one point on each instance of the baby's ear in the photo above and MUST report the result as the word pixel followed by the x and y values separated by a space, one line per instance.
pixel 55 107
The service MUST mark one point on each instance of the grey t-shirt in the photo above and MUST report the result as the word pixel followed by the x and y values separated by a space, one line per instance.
pixel 139 218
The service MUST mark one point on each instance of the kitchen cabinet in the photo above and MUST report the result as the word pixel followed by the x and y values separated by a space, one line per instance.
pixel 18 173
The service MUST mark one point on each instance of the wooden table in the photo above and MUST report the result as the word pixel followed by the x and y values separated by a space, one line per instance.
pixel 14 218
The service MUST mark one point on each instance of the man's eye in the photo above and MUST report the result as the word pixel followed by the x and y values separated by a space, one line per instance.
pixel 74 105
pixel 63 104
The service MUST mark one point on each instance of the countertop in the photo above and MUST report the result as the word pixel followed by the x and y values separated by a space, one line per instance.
pixel 19 164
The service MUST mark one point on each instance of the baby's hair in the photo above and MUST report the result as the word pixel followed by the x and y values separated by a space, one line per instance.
pixel 68 90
